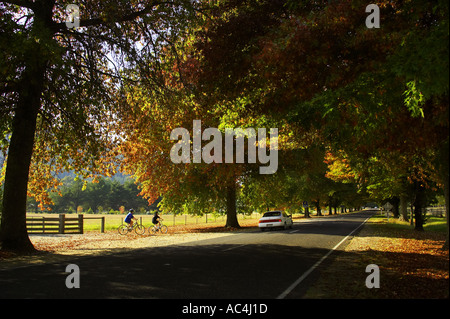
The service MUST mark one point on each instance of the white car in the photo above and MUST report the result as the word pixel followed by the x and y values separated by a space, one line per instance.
pixel 274 219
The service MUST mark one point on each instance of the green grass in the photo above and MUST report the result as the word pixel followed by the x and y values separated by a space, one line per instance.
pixel 432 223
pixel 435 224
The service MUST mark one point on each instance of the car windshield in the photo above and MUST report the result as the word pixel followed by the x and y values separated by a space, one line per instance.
pixel 271 214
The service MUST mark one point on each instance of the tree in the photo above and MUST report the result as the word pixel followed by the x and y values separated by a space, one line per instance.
pixel 195 187
pixel 58 86
pixel 221 86
pixel 69 195
pixel 363 91
pixel 105 193
pixel 96 194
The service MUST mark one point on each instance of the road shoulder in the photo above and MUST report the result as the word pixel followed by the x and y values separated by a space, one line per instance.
pixel 58 248
pixel 411 265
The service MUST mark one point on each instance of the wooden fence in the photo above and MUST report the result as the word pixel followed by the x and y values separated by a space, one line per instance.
pixel 55 225
pixel 438 211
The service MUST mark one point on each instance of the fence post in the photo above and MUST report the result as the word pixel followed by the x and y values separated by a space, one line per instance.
pixel 62 221
pixel 102 228
pixel 80 223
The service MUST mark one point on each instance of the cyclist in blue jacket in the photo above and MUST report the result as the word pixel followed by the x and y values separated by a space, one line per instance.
pixel 130 217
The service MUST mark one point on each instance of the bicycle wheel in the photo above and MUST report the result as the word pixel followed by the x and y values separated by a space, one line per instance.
pixel 163 229
pixel 123 229
pixel 139 229
pixel 152 230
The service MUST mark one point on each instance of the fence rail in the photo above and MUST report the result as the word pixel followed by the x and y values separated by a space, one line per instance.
pixel 438 211
pixel 55 225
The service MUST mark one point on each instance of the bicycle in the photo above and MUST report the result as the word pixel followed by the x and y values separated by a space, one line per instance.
pixel 126 228
pixel 158 228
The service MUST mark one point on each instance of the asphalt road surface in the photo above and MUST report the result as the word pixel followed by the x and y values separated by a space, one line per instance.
pixel 264 265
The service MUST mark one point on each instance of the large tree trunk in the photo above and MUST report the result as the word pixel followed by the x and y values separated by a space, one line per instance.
pixel 403 207
pixel 330 205
pixel 13 231
pixel 419 203
pixel 443 166
pixel 446 186
pixel 319 210
pixel 395 201
pixel 307 212
pixel 231 207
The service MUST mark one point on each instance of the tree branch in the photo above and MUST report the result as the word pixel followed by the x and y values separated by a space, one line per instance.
pixel 102 21
pixel 22 3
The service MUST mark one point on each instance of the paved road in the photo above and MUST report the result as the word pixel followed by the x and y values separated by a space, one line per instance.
pixel 275 264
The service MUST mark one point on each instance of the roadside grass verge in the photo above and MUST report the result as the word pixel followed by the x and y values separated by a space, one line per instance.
pixel 412 264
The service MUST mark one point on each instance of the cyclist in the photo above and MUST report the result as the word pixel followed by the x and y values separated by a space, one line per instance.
pixel 156 220
pixel 130 217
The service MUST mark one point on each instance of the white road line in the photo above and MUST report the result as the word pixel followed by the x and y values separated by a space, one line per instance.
pixel 291 232
pixel 310 270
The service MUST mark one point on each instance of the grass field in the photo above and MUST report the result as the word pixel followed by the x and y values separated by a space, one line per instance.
pixel 432 223
pixel 113 221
